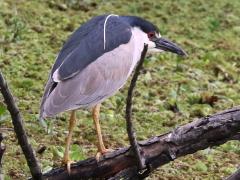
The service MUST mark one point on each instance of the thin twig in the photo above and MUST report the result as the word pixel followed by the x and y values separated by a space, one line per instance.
pixel 19 130
pixel 130 128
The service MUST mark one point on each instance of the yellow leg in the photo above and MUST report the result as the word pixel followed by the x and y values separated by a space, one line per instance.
pixel 96 111
pixel 66 158
pixel 101 148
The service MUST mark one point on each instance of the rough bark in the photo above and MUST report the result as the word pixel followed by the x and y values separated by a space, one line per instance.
pixel 19 130
pixel 200 134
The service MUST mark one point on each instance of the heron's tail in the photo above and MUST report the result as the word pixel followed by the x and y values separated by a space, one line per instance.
pixel 50 85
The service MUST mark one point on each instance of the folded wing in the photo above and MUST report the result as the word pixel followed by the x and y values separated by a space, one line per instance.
pixel 85 46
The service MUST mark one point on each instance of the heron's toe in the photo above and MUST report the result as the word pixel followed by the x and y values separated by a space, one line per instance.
pixel 68 163
pixel 101 153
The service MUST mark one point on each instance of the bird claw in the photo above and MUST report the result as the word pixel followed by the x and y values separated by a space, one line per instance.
pixel 101 153
pixel 68 162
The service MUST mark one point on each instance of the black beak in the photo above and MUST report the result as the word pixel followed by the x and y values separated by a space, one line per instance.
pixel 167 45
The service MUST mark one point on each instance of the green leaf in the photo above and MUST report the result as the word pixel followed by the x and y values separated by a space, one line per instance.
pixel 77 153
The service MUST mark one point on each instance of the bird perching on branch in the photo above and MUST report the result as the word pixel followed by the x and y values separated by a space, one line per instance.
pixel 94 64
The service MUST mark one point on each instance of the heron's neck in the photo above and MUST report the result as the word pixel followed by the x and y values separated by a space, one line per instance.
pixel 139 38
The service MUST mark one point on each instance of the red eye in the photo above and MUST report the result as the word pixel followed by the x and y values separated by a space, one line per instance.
pixel 151 34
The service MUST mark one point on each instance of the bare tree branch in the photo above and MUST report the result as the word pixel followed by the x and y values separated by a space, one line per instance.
pixel 19 130
pixel 130 129
pixel 205 132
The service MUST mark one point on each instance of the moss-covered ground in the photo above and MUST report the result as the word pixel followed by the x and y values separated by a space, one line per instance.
pixel 171 90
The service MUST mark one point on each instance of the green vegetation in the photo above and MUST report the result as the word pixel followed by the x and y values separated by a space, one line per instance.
pixel 171 91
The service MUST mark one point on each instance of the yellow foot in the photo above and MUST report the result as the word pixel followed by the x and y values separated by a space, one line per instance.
pixel 101 153
pixel 68 162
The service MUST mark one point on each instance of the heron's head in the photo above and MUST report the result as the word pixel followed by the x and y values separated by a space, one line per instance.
pixel 150 35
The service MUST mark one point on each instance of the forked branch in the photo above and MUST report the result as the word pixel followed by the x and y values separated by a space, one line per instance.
pixel 200 134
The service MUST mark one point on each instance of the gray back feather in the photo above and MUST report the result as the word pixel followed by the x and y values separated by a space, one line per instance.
pixel 87 44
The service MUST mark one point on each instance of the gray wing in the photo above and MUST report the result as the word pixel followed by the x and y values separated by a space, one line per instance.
pixel 95 83
pixel 84 46
pixel 87 44
pixel 75 39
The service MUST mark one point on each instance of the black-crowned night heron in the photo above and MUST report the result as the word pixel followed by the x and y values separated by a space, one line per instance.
pixel 95 63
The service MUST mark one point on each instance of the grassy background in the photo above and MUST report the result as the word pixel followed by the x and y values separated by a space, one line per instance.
pixel 171 91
